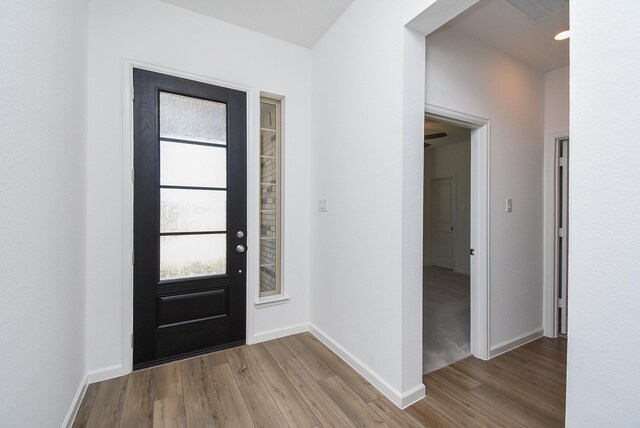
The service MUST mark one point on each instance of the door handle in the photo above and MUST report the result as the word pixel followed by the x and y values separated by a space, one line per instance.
pixel 240 249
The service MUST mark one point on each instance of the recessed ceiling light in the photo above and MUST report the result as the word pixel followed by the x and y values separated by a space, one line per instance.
pixel 563 35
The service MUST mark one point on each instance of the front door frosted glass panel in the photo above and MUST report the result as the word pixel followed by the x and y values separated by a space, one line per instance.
pixel 193 210
pixel 193 187
pixel 192 165
pixel 187 256
pixel 192 119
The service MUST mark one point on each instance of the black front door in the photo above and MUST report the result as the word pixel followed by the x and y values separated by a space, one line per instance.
pixel 189 217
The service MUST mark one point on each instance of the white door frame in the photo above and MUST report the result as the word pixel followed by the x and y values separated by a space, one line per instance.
pixel 480 181
pixel 550 288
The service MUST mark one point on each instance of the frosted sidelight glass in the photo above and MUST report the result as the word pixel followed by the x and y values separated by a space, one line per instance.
pixel 194 119
pixel 192 165
pixel 268 116
pixel 186 256
pixel 188 210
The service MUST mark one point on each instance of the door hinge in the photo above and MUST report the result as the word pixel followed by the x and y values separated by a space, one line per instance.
pixel 561 232
pixel 562 161
pixel 561 303
pixel 133 93
pixel 133 175
pixel 472 252
pixel 133 258
pixel 132 340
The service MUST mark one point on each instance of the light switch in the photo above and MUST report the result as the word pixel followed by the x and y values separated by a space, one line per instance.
pixel 323 205
pixel 509 205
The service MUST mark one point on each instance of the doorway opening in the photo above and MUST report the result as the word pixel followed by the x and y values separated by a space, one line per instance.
pixel 455 241
pixel 447 244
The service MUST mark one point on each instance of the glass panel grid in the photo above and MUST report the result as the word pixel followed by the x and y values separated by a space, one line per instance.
pixel 193 180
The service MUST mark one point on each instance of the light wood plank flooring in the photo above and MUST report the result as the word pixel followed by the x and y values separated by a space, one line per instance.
pixel 522 388
pixel 294 381
pixel 298 382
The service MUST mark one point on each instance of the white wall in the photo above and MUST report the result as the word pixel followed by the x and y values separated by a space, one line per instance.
pixel 604 269
pixel 367 143
pixel 165 35
pixel 446 161
pixel 556 101
pixel 42 183
pixel 467 76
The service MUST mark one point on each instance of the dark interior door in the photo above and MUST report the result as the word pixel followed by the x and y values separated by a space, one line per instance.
pixel 189 217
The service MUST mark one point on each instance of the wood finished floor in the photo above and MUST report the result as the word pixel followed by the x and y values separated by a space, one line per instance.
pixel 522 388
pixel 298 382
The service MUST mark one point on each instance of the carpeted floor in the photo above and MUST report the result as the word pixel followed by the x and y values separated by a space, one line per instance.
pixel 446 318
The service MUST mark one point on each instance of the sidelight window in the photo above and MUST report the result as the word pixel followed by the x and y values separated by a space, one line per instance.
pixel 270 196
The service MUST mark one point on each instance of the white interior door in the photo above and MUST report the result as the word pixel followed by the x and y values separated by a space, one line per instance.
pixel 442 221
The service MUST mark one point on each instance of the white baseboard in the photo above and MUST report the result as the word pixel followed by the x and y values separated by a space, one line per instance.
pixel 277 333
pixel 75 403
pixel 104 374
pixel 401 400
pixel 507 346
pixel 412 396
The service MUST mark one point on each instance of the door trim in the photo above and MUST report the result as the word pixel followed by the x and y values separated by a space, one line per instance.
pixel 480 193
pixel 550 289
pixel 253 99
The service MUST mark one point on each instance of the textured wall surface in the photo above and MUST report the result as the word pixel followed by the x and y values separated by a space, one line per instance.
pixel 367 144
pixel 604 269
pixel 42 209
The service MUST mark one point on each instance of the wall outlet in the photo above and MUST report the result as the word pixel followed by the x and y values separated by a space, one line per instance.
pixel 323 205
pixel 509 205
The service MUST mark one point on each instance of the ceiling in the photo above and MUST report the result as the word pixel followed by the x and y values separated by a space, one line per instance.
pixel 498 24
pixel 455 134
pixel 494 22
pixel 302 22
